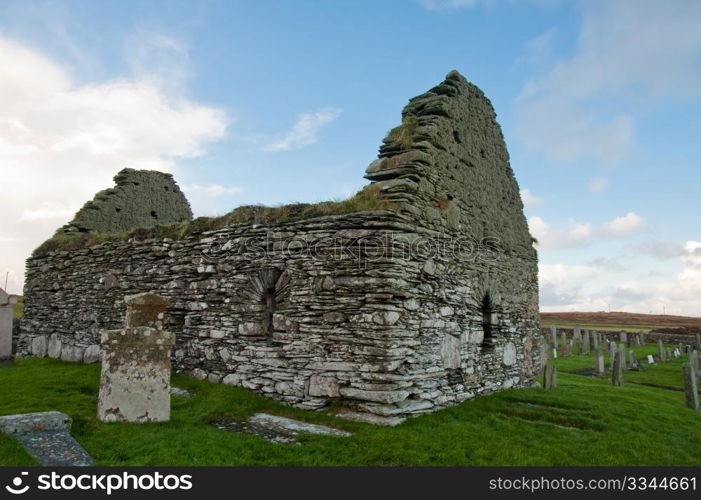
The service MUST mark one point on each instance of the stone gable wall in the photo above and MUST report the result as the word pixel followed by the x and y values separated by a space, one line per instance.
pixel 384 311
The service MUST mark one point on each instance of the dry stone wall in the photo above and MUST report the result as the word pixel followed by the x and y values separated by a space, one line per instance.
pixel 388 312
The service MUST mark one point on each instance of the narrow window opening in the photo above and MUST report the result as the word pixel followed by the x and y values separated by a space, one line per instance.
pixel 153 214
pixel 487 326
pixel 269 310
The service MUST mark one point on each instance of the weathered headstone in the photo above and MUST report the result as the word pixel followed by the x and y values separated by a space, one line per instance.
pixel 46 437
pixel 623 337
pixel 553 336
pixel 691 392
pixel 600 362
pixel 612 352
pixel 698 341
pixel 135 381
pixel 660 351
pixel 7 305
pixel 632 361
pixel 543 354
pixel 694 362
pixel 595 340
pixel 650 359
pixel 622 353
pixel 566 349
pixel 577 332
pixel 617 369
pixel 563 335
pixel 586 343
pixel 550 377
pixel 555 353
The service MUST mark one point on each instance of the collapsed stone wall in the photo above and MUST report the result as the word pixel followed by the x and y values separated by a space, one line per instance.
pixel 140 199
pixel 390 312
pixel 358 316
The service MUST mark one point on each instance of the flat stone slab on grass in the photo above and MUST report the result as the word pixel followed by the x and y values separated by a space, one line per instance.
pixel 276 429
pixel 182 393
pixel 46 437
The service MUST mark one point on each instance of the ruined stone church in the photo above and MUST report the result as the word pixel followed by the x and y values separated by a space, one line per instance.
pixel 426 300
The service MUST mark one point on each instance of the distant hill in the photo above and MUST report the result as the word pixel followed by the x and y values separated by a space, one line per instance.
pixel 619 319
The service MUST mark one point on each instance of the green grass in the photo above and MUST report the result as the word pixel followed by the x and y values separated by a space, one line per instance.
pixel 19 307
pixel 404 133
pixel 585 421
pixel 366 199
pixel 547 323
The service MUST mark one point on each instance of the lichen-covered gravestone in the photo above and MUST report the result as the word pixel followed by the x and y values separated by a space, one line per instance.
pixel 135 381
pixel 7 303
pixel 690 388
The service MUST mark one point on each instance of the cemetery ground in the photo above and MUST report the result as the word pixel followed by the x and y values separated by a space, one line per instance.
pixel 584 421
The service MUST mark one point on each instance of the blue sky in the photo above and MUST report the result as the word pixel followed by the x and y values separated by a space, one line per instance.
pixel 279 101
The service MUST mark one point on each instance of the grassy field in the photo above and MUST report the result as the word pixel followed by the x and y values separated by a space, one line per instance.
pixel 19 308
pixel 585 421
pixel 600 327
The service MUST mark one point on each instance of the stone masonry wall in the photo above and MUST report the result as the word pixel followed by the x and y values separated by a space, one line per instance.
pixel 358 316
pixel 390 312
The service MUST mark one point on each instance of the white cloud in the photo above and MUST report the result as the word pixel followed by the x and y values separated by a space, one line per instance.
pixel 204 197
pixel 587 288
pixel 635 53
pixel 529 199
pixel 213 190
pixel 629 223
pixel 598 185
pixel 305 131
pixel 662 250
pixel 579 234
pixel 61 142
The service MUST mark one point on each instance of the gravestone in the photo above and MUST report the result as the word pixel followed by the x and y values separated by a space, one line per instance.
pixel 660 351
pixel 698 341
pixel 650 359
pixel 566 349
pixel 617 369
pixel 135 381
pixel 585 342
pixel 600 362
pixel 550 377
pixel 577 332
pixel 690 388
pixel 632 361
pixel 595 340
pixel 612 352
pixel 622 353
pixel 46 437
pixel 553 336
pixel 7 306
pixel 564 338
pixel 694 362
pixel 623 338
pixel 555 353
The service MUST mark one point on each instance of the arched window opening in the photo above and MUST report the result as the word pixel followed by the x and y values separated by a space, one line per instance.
pixel 268 310
pixel 487 320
